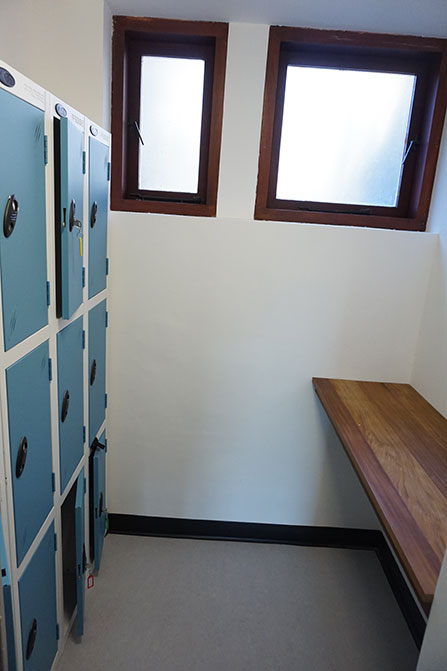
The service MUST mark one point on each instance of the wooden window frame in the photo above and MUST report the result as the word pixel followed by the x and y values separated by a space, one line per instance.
pixel 425 57
pixel 134 37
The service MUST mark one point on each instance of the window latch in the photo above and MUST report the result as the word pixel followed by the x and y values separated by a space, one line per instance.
pixel 412 144
pixel 137 128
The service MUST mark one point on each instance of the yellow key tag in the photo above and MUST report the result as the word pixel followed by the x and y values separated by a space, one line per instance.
pixel 80 246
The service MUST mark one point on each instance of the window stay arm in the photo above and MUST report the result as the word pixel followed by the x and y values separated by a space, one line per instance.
pixel 134 124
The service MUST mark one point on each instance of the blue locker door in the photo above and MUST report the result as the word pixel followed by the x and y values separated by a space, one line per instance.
pixel 23 252
pixel 70 397
pixel 7 604
pixel 28 389
pixel 96 368
pixel 37 593
pixel 99 500
pixel 98 191
pixel 80 552
pixel 71 203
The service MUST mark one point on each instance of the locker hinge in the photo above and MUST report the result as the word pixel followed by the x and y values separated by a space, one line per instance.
pixel 107 318
pixel 83 162
pixel 105 444
pixel 105 400
pixel 108 171
pixel 53 481
pixel 107 266
pixel 45 149
pixel 83 339
pixel 55 543
pixel 83 276
pixel 50 369
pixel 57 631
pixel 48 294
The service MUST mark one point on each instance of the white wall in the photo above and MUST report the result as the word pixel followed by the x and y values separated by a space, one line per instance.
pixel 58 44
pixel 430 367
pixel 216 329
pixel 430 378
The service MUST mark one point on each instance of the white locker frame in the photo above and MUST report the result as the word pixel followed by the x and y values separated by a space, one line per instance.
pixel 36 95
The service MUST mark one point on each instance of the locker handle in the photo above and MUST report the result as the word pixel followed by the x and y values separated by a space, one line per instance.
pixel 96 444
pixel 93 372
pixel 84 559
pixel 65 404
pixel 10 216
pixel 93 214
pixel 73 222
pixel 31 639
pixel 21 456
pixel 101 504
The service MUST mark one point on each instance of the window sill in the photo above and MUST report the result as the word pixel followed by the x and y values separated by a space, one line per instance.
pixel 339 219
pixel 161 207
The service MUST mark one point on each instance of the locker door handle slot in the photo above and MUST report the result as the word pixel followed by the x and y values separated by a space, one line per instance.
pixel 73 222
pixel 31 639
pixel 65 404
pixel 21 456
pixel 93 214
pixel 101 504
pixel 93 372
pixel 84 559
pixel 10 216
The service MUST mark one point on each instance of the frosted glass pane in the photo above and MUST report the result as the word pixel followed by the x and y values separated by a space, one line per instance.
pixel 170 123
pixel 344 135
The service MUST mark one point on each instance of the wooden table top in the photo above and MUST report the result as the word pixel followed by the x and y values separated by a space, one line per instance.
pixel 397 443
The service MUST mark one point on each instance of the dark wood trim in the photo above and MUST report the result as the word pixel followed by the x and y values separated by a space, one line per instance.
pixel 253 532
pixel 426 57
pixel 166 34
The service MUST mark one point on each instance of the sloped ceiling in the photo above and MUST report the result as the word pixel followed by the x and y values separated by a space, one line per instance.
pixel 417 17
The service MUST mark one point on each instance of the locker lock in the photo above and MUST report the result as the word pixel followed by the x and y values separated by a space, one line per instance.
pixel 93 372
pixel 65 404
pixel 10 216
pixel 31 639
pixel 60 109
pixel 6 78
pixel 21 456
pixel 73 222
pixel 93 214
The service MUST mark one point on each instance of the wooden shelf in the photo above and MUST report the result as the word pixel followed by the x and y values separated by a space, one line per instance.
pixel 397 443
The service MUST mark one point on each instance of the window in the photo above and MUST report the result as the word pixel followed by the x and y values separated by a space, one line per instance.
pixel 167 103
pixel 351 128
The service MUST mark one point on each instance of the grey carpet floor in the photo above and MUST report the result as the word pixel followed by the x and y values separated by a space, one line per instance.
pixel 187 605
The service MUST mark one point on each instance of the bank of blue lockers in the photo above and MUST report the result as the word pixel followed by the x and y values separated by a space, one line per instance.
pixel 54 190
